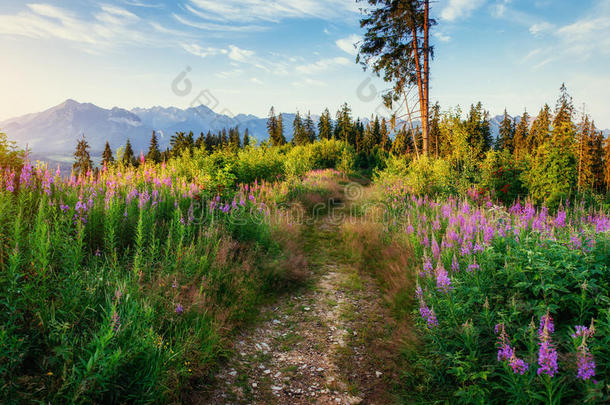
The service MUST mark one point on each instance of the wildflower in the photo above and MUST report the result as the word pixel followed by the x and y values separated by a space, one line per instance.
pixel 507 353
pixel 474 266
pixel 547 355
pixel 443 282
pixel 116 321
pixel 584 360
pixel 428 314
pixel 585 363
pixel 455 265
pixel 428 268
pixel 118 294
pixel 179 309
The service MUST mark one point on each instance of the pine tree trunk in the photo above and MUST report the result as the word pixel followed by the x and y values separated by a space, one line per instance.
pixel 420 88
pixel 426 79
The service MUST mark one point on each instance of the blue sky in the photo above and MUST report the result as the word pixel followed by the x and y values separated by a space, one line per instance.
pixel 242 56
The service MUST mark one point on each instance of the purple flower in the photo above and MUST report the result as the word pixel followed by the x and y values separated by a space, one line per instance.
pixel 507 353
pixel 428 268
pixel 584 359
pixel 474 266
pixel 547 355
pixel 585 363
pixel 116 321
pixel 427 314
pixel 179 309
pixel 455 265
pixel 518 365
pixel 443 282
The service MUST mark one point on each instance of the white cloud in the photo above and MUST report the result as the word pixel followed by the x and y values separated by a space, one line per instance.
pixel 348 45
pixel 270 10
pixel 110 25
pixel 256 80
pixel 442 37
pixel 308 82
pixel 457 9
pixel 197 50
pixel 322 65
pixel 239 55
pixel 541 27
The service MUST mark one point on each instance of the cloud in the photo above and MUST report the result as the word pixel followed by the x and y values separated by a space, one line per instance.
pixel 540 28
pixel 197 50
pixel 308 82
pixel 458 9
pixel 108 26
pixel 348 45
pixel 256 81
pixel 442 37
pixel 322 65
pixel 239 55
pixel 138 3
pixel 208 26
pixel 241 11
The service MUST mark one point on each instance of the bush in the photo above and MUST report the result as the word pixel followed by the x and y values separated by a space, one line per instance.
pixel 501 175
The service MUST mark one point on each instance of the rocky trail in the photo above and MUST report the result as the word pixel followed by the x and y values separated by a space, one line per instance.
pixel 327 343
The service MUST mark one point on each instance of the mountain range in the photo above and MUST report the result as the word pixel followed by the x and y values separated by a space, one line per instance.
pixel 51 135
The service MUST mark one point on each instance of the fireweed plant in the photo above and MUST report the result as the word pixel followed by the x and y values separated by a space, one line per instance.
pixel 119 287
pixel 503 293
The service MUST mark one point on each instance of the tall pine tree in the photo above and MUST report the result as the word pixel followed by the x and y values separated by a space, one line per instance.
pixel 246 138
pixel 310 128
pixel 107 158
pixel 299 137
pixel 128 158
pixel 82 157
pixel 153 155
pixel 325 126
pixel 521 137
pixel 507 134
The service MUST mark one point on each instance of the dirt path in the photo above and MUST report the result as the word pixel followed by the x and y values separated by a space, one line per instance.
pixel 326 344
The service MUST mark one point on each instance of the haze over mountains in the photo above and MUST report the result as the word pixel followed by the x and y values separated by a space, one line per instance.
pixel 52 134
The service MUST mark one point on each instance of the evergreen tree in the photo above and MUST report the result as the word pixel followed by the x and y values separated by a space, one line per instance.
pixel 521 137
pixel 597 156
pixel 200 142
pixel 153 155
pixel 376 131
pixel 585 162
pixel 279 136
pixel 300 136
pixel 82 157
pixel 564 130
pixel 369 142
pixel 310 128
pixel 107 158
pixel 397 43
pixel 224 139
pixel 541 128
pixel 272 126
pixel 234 139
pixel 507 134
pixel 325 126
pixel 479 131
pixel 275 128
pixel 384 134
pixel 343 129
pixel 607 164
pixel 246 138
pixel 402 142
pixel 435 130
pixel 129 158
pixel 209 142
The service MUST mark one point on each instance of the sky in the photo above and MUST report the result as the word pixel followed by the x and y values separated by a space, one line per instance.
pixel 243 56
